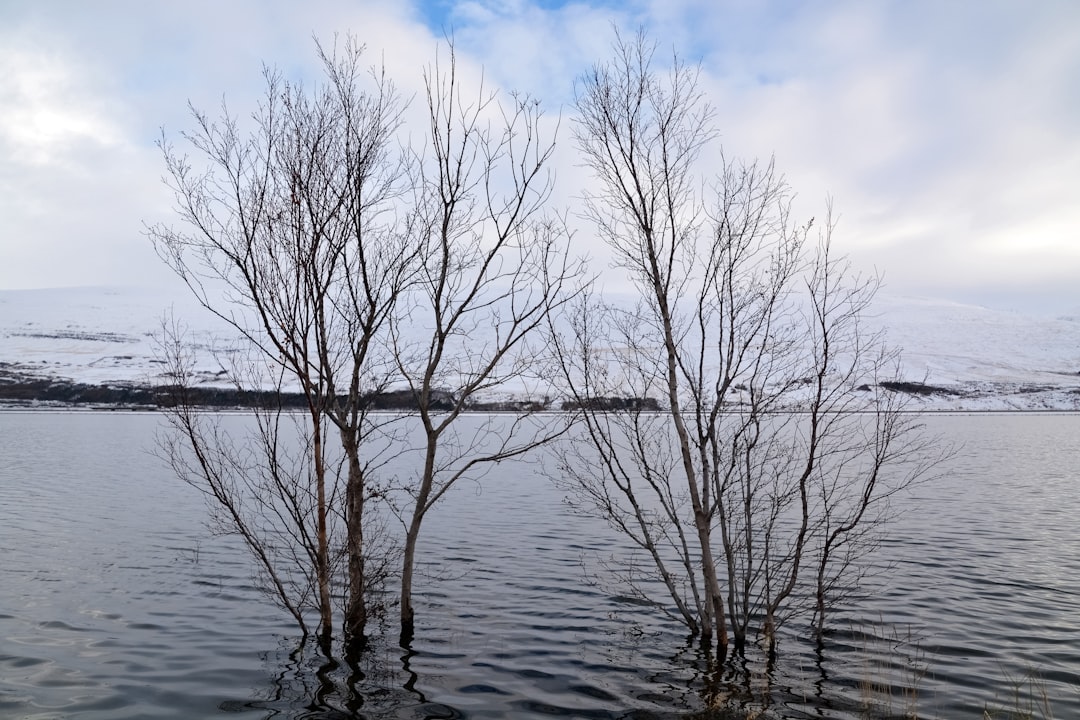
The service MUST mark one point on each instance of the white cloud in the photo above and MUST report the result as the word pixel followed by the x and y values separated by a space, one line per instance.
pixel 948 133
pixel 47 109
pixel 948 137
pixel 68 173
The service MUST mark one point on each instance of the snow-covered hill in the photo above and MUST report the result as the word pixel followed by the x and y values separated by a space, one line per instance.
pixel 98 335
pixel 978 359
pixel 990 359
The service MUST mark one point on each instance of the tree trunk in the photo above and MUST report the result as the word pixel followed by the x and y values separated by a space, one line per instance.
pixel 820 597
pixel 420 507
pixel 769 634
pixel 408 624
pixel 714 619
pixel 322 570
pixel 356 602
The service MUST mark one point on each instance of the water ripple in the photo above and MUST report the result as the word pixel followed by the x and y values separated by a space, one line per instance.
pixel 131 609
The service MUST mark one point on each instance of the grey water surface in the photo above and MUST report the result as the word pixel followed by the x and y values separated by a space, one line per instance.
pixel 116 602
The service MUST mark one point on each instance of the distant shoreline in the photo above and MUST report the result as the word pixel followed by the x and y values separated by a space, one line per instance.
pixel 22 391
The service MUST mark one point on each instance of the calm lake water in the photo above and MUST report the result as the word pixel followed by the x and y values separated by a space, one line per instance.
pixel 115 602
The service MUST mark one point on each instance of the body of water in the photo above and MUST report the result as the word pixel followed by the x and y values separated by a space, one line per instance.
pixel 115 602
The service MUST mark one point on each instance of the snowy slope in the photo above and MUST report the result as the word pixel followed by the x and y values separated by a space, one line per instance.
pixel 991 359
pixel 985 359
pixel 99 335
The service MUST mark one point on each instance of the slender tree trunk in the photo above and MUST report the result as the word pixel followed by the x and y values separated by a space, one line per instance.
pixel 820 598
pixel 713 619
pixel 408 615
pixel 412 534
pixel 356 602
pixel 322 560
pixel 769 633
pixel 738 626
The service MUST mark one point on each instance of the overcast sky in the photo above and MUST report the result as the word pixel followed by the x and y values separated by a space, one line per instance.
pixel 946 132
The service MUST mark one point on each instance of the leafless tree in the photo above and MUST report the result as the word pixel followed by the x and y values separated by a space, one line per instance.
pixel 257 478
pixel 287 234
pixel 495 264
pixel 349 268
pixel 748 330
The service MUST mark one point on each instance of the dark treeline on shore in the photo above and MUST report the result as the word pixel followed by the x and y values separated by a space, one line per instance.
pixel 49 390
pixel 20 389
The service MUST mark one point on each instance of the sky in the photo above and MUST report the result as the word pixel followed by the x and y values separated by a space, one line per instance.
pixel 947 134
